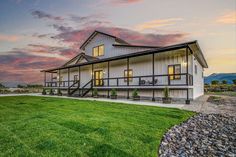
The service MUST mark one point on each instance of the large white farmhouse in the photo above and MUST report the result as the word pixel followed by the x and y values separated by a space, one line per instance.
pixel 106 62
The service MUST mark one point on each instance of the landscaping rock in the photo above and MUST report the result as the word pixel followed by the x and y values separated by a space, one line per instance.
pixel 201 135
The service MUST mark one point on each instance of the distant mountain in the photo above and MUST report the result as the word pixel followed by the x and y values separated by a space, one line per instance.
pixel 12 84
pixel 220 77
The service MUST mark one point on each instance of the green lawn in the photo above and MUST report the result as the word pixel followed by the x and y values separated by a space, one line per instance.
pixel 40 126
pixel 227 93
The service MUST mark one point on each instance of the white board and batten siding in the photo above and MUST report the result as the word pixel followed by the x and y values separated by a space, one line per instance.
pixel 141 66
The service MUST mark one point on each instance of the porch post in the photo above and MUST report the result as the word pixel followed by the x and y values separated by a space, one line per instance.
pixel 108 77
pixel 153 78
pixel 187 101
pixel 92 80
pixel 59 78
pixel 127 77
pixel 51 79
pixel 68 90
pixel 79 76
pixel 44 78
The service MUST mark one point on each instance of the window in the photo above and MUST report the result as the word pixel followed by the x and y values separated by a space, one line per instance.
pixel 173 70
pixel 98 51
pixel 129 74
pixel 195 69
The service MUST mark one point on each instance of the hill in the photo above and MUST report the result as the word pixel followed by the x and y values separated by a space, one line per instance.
pixel 220 77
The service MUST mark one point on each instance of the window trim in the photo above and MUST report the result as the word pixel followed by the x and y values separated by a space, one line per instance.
pixel 98 50
pixel 128 78
pixel 175 76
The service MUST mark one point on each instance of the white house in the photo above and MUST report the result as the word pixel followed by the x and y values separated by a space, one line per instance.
pixel 106 62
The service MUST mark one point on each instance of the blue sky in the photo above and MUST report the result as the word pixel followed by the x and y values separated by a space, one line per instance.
pixel 37 34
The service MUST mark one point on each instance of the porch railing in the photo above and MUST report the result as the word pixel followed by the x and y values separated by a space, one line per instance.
pixel 182 79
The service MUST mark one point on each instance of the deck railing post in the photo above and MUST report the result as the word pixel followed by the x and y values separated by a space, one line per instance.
pixel 68 90
pixel 187 82
pixel 108 79
pixel 44 79
pixel 127 77
pixel 153 73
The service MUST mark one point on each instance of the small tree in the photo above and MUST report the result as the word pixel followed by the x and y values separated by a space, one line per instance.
pixel 44 92
pixel 215 82
pixel 166 92
pixel 95 92
pixel 135 93
pixel 234 81
pixel 113 92
pixel 224 82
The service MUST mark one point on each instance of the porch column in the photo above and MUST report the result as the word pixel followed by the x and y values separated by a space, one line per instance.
pixel 108 77
pixel 127 78
pixel 79 76
pixel 92 79
pixel 51 79
pixel 68 81
pixel 44 79
pixel 153 77
pixel 59 78
pixel 187 82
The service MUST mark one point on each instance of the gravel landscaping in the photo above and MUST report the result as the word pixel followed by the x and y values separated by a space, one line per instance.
pixel 201 135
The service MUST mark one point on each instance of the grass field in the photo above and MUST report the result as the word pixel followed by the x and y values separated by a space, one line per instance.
pixel 227 93
pixel 40 126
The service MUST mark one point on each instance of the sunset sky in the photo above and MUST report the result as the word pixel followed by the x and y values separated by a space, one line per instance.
pixel 40 34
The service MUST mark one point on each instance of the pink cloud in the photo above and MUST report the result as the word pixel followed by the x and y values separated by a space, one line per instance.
pixel 125 1
pixel 227 18
pixel 9 38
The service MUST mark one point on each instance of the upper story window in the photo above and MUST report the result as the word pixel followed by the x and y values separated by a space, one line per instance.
pixel 173 70
pixel 98 51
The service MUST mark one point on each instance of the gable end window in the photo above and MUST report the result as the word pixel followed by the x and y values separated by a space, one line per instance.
pixel 128 74
pixel 98 51
pixel 173 71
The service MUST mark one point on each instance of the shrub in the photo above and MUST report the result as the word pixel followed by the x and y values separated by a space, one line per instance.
pixel 113 92
pixel 44 92
pixel 166 92
pixel 51 92
pixel 95 92
pixel 59 92
pixel 214 82
pixel 234 81
pixel 135 93
pixel 224 82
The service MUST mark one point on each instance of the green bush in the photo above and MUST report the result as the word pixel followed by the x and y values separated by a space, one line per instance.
pixel 224 82
pixel 166 92
pixel 215 82
pixel 95 92
pixel 135 93
pixel 234 81
pixel 113 92
pixel 44 92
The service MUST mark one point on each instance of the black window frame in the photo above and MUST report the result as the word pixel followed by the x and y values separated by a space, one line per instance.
pixel 176 76
pixel 98 50
pixel 129 78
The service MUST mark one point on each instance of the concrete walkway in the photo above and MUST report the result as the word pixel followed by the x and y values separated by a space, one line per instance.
pixel 125 101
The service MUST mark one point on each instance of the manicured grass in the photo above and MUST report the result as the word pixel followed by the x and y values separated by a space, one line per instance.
pixel 40 126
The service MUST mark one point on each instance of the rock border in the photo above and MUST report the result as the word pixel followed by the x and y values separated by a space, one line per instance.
pixel 201 135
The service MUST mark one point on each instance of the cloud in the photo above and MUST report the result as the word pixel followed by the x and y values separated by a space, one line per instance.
pixel 9 38
pixel 122 2
pixel 43 15
pixel 227 18
pixel 131 36
pixel 62 28
pixel 157 23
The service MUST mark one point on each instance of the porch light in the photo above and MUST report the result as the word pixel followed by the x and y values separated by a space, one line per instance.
pixel 184 63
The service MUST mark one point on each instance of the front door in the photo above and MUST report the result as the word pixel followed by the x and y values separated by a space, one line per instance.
pixel 98 78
